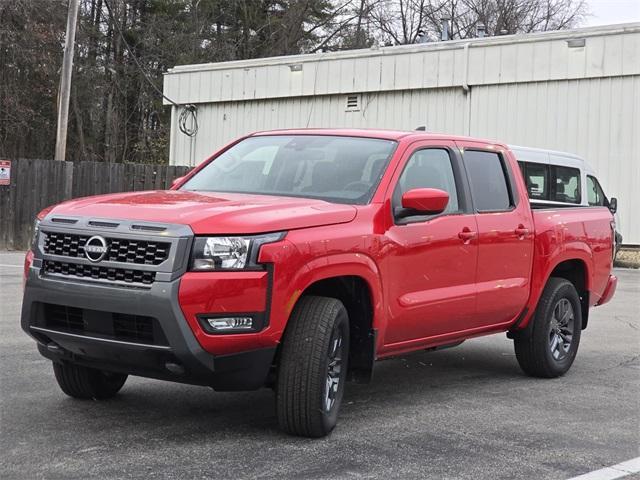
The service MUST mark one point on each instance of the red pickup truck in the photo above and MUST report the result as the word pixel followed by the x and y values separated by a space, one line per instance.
pixel 295 259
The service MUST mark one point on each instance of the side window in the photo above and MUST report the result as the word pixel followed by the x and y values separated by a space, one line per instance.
pixel 595 195
pixel 427 168
pixel 536 176
pixel 488 178
pixel 565 186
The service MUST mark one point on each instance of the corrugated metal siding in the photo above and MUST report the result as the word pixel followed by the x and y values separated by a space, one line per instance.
pixel 441 110
pixel 598 119
pixel 610 51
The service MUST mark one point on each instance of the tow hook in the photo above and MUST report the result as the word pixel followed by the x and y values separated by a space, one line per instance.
pixel 55 348
pixel 174 368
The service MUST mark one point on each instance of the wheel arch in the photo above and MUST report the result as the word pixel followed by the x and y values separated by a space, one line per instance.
pixel 355 294
pixel 575 265
pixel 574 268
pixel 576 271
pixel 355 281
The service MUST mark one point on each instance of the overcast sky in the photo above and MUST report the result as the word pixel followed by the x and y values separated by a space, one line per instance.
pixel 605 12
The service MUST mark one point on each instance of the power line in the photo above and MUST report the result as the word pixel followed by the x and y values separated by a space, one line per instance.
pixel 189 111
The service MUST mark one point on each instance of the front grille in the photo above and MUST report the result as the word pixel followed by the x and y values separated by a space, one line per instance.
pixel 97 272
pixel 133 327
pixel 65 245
pixel 141 252
pixel 111 325
pixel 67 318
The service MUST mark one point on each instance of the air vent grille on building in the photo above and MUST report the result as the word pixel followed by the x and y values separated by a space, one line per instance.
pixel 353 103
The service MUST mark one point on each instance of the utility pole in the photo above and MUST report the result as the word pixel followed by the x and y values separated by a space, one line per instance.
pixel 65 81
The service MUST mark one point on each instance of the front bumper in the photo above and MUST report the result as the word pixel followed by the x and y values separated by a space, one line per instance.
pixel 181 359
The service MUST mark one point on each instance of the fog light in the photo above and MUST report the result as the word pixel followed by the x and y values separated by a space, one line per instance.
pixel 231 323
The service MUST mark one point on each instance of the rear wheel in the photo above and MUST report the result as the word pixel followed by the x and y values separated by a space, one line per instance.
pixel 313 366
pixel 550 348
pixel 86 383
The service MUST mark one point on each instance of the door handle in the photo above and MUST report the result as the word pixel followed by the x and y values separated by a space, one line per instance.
pixel 521 231
pixel 466 235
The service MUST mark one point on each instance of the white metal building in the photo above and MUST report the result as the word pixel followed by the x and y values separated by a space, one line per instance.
pixel 575 91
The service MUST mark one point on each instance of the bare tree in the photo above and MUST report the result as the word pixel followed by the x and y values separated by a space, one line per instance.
pixel 402 21
pixel 406 21
pixel 124 46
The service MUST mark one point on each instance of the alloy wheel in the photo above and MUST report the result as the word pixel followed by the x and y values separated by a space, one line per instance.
pixel 562 328
pixel 334 369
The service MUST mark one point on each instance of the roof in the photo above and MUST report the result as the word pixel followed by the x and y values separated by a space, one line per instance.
pixel 534 150
pixel 552 157
pixel 611 50
pixel 346 132
pixel 372 133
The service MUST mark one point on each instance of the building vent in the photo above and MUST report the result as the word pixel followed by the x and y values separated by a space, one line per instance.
pixel 353 103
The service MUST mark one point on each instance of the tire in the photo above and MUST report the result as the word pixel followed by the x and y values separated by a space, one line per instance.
pixel 549 349
pixel 313 367
pixel 87 383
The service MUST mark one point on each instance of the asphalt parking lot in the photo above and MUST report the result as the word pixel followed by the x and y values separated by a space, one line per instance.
pixel 463 413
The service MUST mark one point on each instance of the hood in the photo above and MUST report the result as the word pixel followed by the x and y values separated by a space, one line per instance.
pixel 210 213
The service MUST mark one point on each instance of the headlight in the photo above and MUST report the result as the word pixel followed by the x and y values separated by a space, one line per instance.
pixel 229 253
pixel 36 229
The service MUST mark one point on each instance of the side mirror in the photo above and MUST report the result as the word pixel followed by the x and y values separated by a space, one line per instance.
pixel 613 204
pixel 428 201
pixel 177 181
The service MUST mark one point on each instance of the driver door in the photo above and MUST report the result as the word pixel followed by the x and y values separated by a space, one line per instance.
pixel 432 262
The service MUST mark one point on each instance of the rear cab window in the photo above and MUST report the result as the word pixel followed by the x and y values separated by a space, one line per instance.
pixel 595 194
pixel 552 182
pixel 565 184
pixel 536 177
pixel 489 181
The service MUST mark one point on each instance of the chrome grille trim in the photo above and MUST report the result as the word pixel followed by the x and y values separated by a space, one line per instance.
pixel 58 333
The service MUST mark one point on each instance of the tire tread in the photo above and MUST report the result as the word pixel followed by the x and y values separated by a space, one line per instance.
pixel 303 354
pixel 86 383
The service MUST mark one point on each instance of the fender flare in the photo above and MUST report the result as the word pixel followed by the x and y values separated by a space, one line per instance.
pixel 574 251
pixel 341 265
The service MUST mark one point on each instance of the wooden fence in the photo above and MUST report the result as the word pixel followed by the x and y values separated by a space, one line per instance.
pixel 36 184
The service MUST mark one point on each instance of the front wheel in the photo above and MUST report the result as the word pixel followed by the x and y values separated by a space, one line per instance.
pixel 549 349
pixel 313 366
pixel 87 383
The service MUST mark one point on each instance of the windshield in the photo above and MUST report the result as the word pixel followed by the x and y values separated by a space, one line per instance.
pixel 331 168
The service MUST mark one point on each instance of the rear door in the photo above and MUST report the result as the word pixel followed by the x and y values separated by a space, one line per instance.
pixel 505 229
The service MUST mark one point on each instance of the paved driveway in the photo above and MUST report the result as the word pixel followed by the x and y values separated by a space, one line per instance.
pixel 467 413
